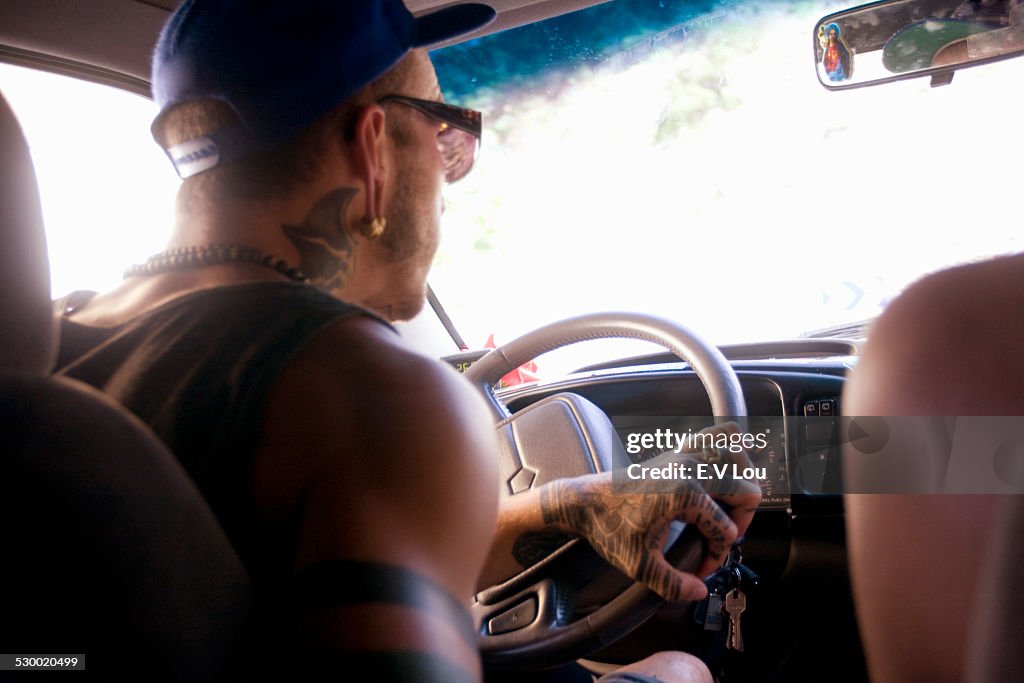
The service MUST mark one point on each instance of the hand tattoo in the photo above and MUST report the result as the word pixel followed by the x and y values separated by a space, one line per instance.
pixel 629 529
pixel 325 251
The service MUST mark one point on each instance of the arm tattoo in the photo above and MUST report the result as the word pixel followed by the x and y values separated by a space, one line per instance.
pixel 629 530
pixel 343 583
pixel 325 251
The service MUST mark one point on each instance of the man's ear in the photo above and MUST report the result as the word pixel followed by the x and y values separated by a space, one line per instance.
pixel 370 159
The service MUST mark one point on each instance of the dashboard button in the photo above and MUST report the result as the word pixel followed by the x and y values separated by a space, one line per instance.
pixel 516 618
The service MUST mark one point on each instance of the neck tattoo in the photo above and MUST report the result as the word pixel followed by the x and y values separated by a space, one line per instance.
pixel 188 258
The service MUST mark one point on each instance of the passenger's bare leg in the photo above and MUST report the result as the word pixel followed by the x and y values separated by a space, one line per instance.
pixel 670 667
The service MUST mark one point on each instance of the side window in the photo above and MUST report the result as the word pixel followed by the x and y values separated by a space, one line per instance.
pixel 107 190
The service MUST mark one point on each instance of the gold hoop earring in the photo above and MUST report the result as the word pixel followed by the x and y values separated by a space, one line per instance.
pixel 372 228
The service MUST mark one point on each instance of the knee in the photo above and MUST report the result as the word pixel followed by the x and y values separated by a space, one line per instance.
pixel 669 667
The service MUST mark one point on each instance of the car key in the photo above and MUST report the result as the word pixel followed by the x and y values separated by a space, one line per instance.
pixel 735 603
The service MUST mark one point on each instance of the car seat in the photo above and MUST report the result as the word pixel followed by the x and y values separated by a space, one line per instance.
pixel 107 549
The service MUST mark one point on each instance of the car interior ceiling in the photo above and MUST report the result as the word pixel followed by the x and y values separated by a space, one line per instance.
pixel 49 33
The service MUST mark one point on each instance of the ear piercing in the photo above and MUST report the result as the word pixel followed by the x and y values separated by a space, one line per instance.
pixel 373 228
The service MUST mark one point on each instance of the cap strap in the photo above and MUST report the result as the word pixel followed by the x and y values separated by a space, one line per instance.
pixel 219 147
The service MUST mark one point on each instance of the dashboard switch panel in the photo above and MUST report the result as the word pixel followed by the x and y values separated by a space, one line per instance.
pixel 514 619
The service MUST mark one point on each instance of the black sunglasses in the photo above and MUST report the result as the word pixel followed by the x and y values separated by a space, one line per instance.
pixel 458 138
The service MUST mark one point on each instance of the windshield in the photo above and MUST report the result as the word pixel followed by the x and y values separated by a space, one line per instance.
pixel 665 156
pixel 682 159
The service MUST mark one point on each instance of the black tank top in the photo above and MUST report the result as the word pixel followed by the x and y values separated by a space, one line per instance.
pixel 198 371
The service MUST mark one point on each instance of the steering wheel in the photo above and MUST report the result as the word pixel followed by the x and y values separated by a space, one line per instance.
pixel 527 620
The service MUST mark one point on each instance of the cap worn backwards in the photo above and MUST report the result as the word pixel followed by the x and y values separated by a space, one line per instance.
pixel 282 64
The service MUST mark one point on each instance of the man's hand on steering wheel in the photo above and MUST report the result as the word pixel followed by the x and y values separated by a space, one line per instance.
pixel 629 528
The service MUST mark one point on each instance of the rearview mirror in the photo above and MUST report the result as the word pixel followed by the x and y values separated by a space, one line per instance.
pixel 898 39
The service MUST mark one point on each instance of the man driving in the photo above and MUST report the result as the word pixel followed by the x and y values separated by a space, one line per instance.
pixel 356 477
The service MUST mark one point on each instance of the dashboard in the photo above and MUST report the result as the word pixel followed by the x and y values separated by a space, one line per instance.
pixel 792 407
pixel 796 543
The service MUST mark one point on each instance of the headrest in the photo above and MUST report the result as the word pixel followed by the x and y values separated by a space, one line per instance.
pixel 27 338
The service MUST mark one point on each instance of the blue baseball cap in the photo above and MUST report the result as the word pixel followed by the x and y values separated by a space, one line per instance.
pixel 282 64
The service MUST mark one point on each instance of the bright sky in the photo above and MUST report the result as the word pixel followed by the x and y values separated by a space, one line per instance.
pixel 785 208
